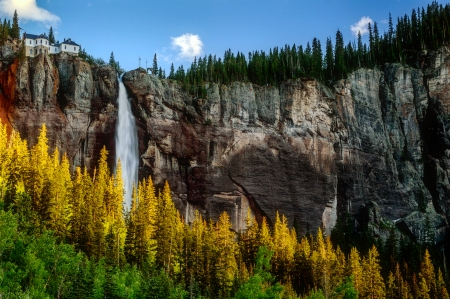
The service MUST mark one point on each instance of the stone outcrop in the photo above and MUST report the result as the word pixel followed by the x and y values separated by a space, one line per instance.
pixel 77 103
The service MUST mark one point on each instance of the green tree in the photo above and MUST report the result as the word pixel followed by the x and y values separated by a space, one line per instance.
pixel 339 62
pixel 259 285
pixel 51 36
pixel 15 29
pixel 112 61
pixel 155 65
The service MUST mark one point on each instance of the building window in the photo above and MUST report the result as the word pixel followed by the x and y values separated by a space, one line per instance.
pixel 30 42
pixel 45 42
pixel 40 51
pixel 31 51
pixel 65 47
pixel 74 48
pixel 35 52
pixel 36 42
pixel 41 41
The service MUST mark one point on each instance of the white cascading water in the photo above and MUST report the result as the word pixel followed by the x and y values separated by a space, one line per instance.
pixel 126 143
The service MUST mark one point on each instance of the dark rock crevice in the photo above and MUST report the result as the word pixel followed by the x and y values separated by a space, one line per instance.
pixel 256 209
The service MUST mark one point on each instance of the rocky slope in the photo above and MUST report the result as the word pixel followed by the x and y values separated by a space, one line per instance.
pixel 376 145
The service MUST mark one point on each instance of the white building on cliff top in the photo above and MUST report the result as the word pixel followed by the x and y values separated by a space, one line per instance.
pixel 37 44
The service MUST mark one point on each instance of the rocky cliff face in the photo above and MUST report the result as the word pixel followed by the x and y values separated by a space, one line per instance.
pixel 375 145
pixel 77 103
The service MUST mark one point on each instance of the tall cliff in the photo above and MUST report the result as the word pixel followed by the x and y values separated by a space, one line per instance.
pixel 77 103
pixel 375 145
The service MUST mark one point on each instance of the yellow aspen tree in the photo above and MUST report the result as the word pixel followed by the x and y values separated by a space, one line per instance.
pixel 355 269
pixel 14 164
pixel 330 271
pixel 209 251
pixel 167 238
pixel 39 163
pixel 415 286
pixel 319 263
pixel 199 232
pixel 100 184
pixel 178 261
pixel 60 189
pixel 193 249
pixel 427 276
pixel 81 230
pixel 131 242
pixel 249 242
pixel 391 287
pixel 265 239
pixel 440 286
pixel 77 204
pixel 115 223
pixel 339 268
pixel 283 247
pixel 19 161
pixel 4 162
pixel 148 209
pixel 397 287
pixel 424 291
pixel 373 285
pixel 225 262
pixel 303 274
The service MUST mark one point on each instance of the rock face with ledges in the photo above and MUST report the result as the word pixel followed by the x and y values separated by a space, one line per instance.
pixel 303 149
pixel 77 103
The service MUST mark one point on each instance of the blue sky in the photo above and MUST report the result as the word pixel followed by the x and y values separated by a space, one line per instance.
pixel 177 30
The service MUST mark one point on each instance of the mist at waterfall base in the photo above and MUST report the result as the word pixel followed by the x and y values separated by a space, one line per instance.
pixel 126 143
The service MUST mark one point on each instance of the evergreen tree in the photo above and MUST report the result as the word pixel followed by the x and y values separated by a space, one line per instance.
pixel 339 62
pixel 329 60
pixel 155 65
pixel 112 61
pixel 15 29
pixel 51 36
pixel 172 72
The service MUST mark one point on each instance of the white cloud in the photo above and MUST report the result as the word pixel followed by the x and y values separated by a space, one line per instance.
pixel 27 10
pixel 189 45
pixel 361 26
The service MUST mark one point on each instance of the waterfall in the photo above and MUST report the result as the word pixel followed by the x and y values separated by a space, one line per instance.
pixel 126 143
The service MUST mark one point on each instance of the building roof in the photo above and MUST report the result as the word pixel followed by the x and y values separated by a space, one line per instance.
pixel 34 36
pixel 70 42
pixel 30 36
